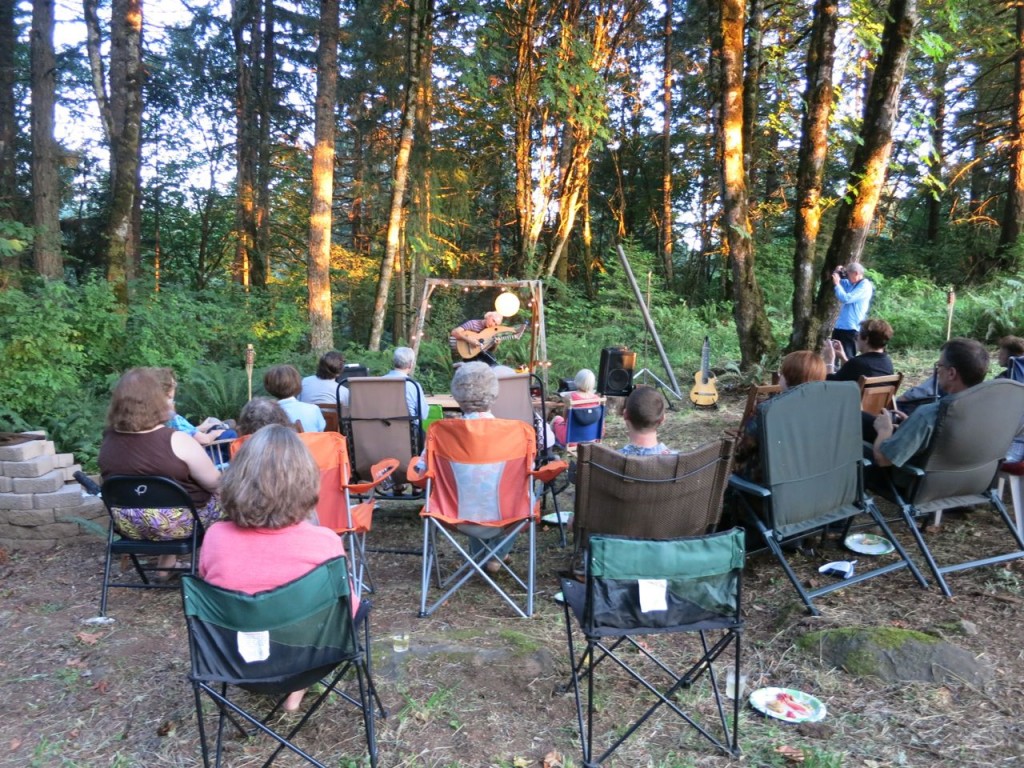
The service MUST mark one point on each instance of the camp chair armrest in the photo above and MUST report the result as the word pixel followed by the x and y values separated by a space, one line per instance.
pixel 909 469
pixel 380 472
pixel 743 485
pixel 415 476
pixel 550 471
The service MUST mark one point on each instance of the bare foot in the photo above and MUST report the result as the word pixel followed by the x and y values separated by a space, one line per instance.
pixel 294 700
pixel 163 562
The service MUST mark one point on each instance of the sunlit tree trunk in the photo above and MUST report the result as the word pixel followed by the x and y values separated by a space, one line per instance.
pixel 752 324
pixel 870 160
pixel 321 318
pixel 667 69
pixel 818 97
pixel 418 238
pixel 421 16
pixel 45 182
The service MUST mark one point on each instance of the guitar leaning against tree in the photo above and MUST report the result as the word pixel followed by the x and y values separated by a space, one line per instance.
pixel 473 343
pixel 704 393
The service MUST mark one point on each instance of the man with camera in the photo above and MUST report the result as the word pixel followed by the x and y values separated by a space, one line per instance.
pixel 854 293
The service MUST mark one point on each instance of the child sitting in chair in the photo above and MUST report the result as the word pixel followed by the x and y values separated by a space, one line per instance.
pixel 644 412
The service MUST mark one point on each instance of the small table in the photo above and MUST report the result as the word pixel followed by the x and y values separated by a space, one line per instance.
pixel 446 401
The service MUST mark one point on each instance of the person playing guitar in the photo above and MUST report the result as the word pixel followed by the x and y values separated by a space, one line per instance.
pixel 476 339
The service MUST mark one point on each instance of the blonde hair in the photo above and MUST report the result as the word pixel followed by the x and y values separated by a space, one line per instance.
pixel 272 482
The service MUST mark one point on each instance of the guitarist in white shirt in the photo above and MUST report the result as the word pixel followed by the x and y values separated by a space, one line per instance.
pixel 464 331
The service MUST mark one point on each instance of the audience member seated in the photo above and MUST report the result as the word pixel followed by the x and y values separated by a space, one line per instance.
pixel 404 360
pixel 323 386
pixel 258 413
pixel 137 441
pixel 584 394
pixel 1009 346
pixel 269 492
pixel 963 363
pixel 644 412
pixel 871 358
pixel 797 368
pixel 209 431
pixel 284 383
pixel 545 436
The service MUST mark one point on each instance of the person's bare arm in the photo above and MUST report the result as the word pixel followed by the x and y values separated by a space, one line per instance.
pixel 200 465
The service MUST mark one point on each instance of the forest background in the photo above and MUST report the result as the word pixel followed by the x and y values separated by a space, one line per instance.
pixel 287 175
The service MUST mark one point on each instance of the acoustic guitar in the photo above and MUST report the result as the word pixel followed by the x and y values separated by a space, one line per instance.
pixel 484 341
pixel 704 393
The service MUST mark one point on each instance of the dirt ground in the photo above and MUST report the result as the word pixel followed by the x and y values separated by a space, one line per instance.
pixel 482 688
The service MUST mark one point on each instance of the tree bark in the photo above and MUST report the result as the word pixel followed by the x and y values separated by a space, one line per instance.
pixel 752 324
pixel 870 161
pixel 667 69
pixel 1013 213
pixel 245 20
pixel 421 17
pixel 126 79
pixel 818 97
pixel 10 204
pixel 321 318
pixel 937 159
pixel 45 181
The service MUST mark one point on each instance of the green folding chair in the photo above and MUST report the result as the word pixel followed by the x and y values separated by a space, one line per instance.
pixel 273 643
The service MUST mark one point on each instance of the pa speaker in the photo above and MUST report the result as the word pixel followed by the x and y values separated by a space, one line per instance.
pixel 615 376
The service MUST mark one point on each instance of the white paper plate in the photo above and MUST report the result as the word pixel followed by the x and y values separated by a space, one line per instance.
pixel 868 544
pixel 764 699
pixel 552 517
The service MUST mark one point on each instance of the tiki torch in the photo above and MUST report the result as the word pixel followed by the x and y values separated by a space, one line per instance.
pixel 250 361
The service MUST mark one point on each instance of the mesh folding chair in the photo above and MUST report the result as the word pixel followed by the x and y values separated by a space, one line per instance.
pixel 516 401
pixel 584 423
pixel 812 458
pixel 273 643
pixel 638 587
pixel 378 426
pixel 971 436
pixel 480 482
pixel 146 492
pixel 878 392
pixel 650 497
pixel 344 506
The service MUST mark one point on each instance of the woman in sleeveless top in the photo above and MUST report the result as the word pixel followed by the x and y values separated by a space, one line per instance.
pixel 137 442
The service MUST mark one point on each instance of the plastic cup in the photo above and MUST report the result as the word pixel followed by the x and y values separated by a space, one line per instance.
pixel 400 643
pixel 731 689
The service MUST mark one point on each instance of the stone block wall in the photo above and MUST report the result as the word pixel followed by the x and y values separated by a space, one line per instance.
pixel 40 498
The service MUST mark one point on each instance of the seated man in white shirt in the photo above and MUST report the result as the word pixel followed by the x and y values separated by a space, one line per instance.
pixel 323 386
pixel 404 360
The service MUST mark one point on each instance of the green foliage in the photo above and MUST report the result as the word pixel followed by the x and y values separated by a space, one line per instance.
pixel 14 238
pixel 212 390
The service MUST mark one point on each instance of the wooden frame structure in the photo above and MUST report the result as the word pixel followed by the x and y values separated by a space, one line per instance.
pixel 538 333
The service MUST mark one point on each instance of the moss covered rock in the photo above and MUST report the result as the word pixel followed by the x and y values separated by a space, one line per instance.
pixel 894 655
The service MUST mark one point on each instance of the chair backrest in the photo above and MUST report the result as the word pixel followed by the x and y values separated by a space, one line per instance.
pixel 273 637
pixel 812 455
pixel 650 497
pixel 878 392
pixel 972 434
pixel 330 413
pixel 378 425
pixel 757 394
pixel 1016 369
pixel 145 492
pixel 480 469
pixel 584 423
pixel 514 400
pixel 692 583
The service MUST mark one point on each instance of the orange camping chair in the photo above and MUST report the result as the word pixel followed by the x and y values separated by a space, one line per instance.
pixel 335 509
pixel 480 483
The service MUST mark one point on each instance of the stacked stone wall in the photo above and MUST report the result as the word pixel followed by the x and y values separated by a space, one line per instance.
pixel 40 500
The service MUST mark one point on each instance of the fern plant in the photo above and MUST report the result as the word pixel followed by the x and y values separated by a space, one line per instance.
pixel 213 390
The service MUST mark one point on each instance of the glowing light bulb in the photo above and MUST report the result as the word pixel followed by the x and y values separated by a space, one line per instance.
pixel 507 304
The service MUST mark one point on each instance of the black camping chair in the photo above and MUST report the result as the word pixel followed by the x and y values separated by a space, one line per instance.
pixel 972 433
pixel 146 492
pixel 812 459
pixel 637 587
pixel 276 642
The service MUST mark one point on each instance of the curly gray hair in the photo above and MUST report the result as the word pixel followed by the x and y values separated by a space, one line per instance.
pixel 474 387
pixel 403 358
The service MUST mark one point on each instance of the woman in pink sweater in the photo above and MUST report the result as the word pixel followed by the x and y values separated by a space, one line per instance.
pixel 268 493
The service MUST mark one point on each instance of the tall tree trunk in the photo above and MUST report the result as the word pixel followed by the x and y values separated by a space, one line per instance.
pixel 937 159
pixel 818 96
pixel 321 318
pixel 45 181
pixel 126 79
pixel 246 28
pixel 751 87
pixel 10 201
pixel 751 319
pixel 667 69
pixel 524 107
pixel 870 161
pixel 261 266
pixel 1013 213
pixel 421 18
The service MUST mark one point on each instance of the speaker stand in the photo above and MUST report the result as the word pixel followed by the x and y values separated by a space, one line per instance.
pixel 666 387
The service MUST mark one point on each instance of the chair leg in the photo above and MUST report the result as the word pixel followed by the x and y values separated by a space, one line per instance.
pixel 1017 496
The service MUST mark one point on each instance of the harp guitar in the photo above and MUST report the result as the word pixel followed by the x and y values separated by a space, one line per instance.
pixel 486 340
pixel 704 393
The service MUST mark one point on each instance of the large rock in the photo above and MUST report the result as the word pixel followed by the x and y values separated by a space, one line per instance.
pixel 895 655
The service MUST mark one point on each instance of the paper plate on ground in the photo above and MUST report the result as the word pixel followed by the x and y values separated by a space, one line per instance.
pixel 868 544
pixel 552 517
pixel 788 704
